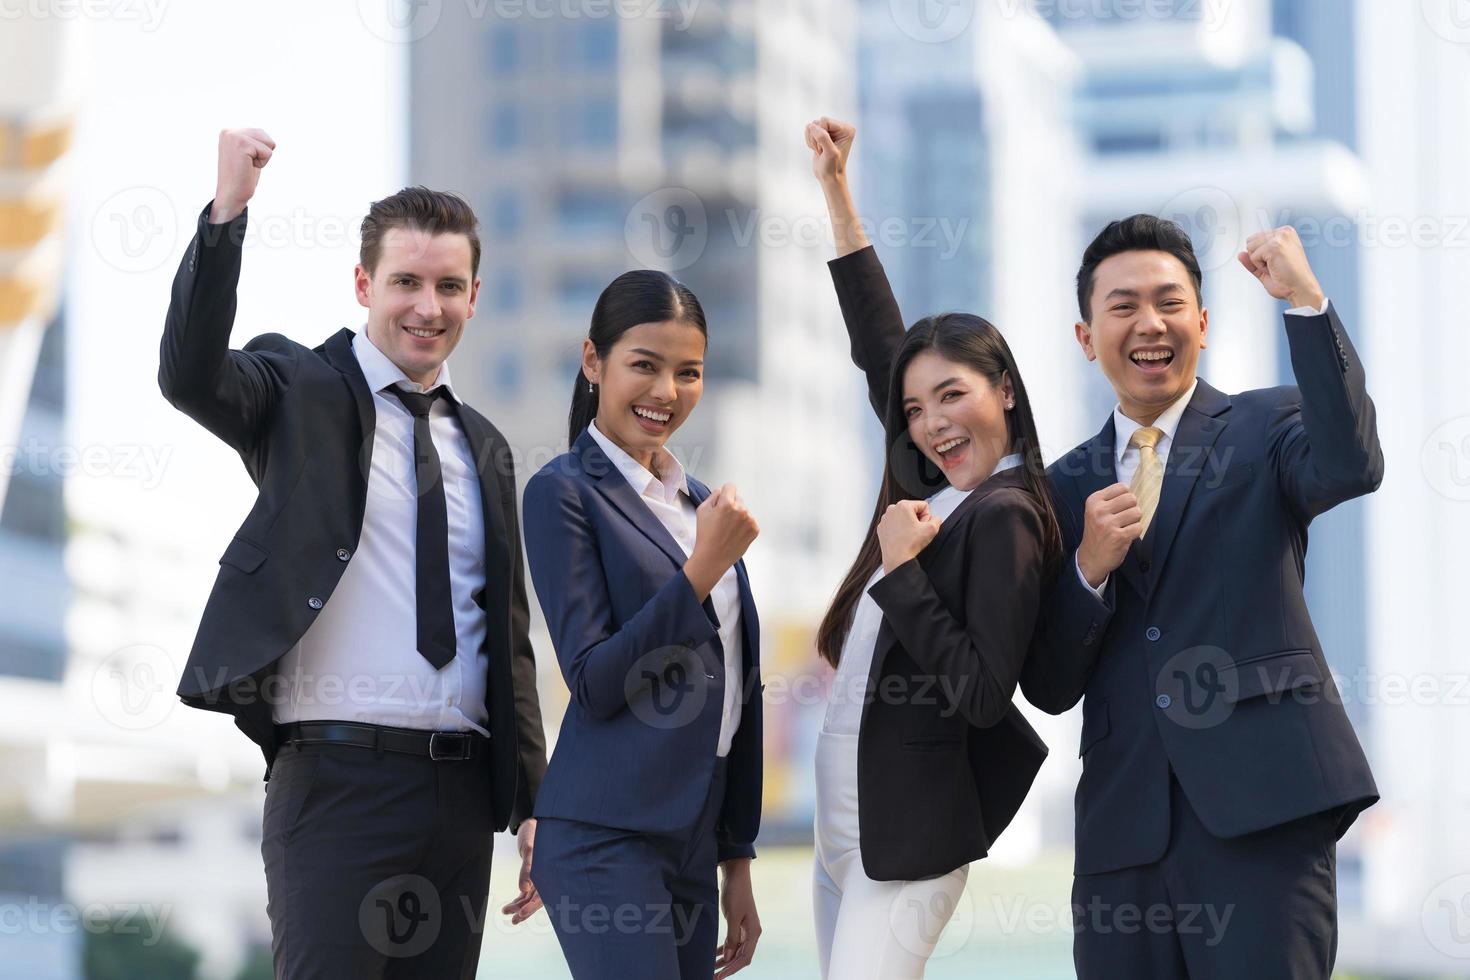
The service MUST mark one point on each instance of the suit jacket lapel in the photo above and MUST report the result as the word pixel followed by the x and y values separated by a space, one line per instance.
pixel 1193 442
pixel 611 484
pixel 497 548
pixel 339 354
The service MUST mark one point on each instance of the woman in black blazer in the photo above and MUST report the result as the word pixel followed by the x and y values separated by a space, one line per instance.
pixel 922 746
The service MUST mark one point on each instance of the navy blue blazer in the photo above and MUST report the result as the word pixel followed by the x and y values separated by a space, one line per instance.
pixel 642 660
pixel 1201 659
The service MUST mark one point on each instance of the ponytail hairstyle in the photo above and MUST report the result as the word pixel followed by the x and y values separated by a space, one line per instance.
pixel 633 298
pixel 908 474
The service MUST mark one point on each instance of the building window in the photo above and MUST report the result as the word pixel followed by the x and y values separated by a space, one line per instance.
pixel 505 128
pixel 506 376
pixel 503 52
pixel 600 122
pixel 505 213
pixel 590 210
pixel 595 43
pixel 509 294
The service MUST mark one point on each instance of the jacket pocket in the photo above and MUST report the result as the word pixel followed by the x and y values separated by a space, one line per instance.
pixel 931 743
pixel 1271 673
pixel 243 555
pixel 1094 723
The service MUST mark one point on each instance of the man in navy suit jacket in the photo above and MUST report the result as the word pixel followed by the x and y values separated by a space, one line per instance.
pixel 1219 768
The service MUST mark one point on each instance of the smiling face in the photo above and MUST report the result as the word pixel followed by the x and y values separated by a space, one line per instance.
pixel 648 383
pixel 1146 332
pixel 418 298
pixel 956 417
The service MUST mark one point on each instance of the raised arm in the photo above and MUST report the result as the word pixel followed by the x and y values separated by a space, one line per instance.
pixel 1324 445
pixel 874 323
pixel 229 392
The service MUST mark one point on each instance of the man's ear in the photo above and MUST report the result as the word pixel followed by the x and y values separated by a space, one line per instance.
pixel 1084 339
pixel 474 298
pixel 362 285
pixel 1204 327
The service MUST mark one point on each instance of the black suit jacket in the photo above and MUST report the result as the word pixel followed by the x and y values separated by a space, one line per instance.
pixel 1201 659
pixel 944 755
pixel 303 422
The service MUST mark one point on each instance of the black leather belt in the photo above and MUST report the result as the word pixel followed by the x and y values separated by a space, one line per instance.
pixel 439 746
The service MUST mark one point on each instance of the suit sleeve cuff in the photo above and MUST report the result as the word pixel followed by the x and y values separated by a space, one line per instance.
pixel 1077 564
pixel 729 852
pixel 1308 311
pixel 231 233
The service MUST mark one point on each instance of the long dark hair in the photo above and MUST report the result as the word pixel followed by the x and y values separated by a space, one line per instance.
pixel 633 298
pixel 908 474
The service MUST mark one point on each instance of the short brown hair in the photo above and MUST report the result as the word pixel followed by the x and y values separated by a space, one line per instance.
pixel 436 212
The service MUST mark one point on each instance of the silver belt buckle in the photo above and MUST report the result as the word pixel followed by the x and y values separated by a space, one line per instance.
pixel 449 746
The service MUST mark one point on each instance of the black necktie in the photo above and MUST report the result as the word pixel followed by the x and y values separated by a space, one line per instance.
pixel 435 607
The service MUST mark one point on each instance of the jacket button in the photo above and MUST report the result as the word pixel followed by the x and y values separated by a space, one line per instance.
pixel 314 602
pixel 1153 633
pixel 1163 700
pixel 343 554
pixel 1144 565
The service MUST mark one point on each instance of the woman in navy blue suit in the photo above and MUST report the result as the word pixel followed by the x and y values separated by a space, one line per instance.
pixel 656 775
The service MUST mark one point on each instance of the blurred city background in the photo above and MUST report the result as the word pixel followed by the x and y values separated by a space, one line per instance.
pixel 593 136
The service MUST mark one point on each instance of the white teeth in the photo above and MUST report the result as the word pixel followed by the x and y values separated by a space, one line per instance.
pixel 945 447
pixel 1152 355
pixel 650 414
pixel 423 333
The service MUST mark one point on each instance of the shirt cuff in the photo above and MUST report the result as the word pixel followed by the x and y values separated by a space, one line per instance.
pixel 1307 310
pixel 1077 563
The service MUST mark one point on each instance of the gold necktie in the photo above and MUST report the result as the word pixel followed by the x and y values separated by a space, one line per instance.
pixel 1148 479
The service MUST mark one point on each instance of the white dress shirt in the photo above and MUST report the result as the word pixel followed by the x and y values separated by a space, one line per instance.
pixel 667 496
pixel 359 660
pixel 850 687
pixel 1125 457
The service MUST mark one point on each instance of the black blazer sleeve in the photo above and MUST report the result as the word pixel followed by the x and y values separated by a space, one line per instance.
pixel 1324 447
pixel 229 392
pixel 978 663
pixel 874 323
pixel 530 735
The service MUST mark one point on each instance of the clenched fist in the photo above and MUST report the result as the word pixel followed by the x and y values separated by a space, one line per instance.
pixel 242 154
pixel 723 530
pixel 1279 261
pixel 1112 521
pixel 830 141
pixel 906 529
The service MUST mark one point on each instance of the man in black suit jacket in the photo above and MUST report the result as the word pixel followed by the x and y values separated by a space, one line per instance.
pixel 368 628
pixel 1219 768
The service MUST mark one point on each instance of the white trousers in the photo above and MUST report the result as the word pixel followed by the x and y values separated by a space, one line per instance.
pixel 868 930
